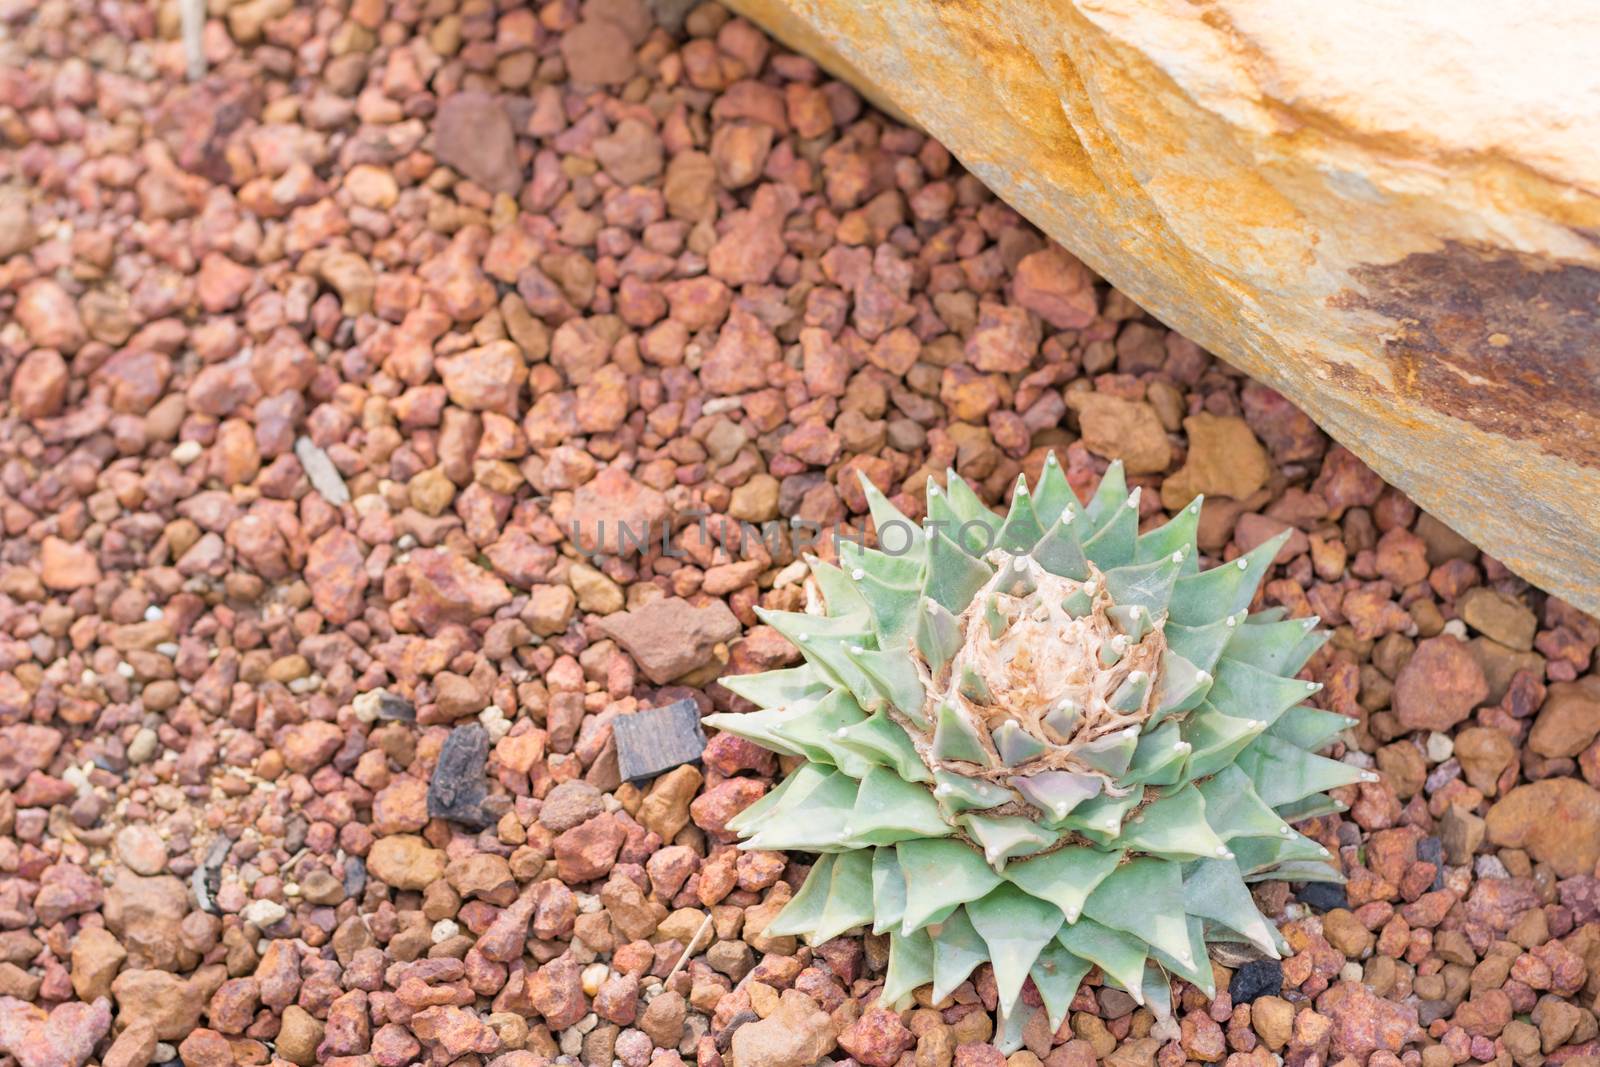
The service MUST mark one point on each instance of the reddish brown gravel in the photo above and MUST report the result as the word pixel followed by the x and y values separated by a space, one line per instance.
pixel 390 380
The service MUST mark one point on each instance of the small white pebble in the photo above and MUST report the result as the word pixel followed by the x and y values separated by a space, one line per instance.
pixel 1440 747
pixel 152 613
pixel 142 748
pixel 571 1041
pixel 593 976
pixel 187 452
pixel 263 912
pixel 125 670
pixel 495 726
pixel 793 573
pixel 1455 628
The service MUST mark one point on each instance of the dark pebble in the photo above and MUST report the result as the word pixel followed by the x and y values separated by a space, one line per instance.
pixel 1431 850
pixel 355 876
pixel 1323 896
pixel 1259 978
pixel 395 708
pixel 457 789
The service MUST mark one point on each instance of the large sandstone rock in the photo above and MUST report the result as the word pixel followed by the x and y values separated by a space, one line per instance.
pixel 1385 210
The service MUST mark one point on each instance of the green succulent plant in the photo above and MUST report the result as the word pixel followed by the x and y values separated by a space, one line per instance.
pixel 1046 741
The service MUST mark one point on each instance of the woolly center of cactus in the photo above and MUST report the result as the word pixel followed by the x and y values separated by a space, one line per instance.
pixel 1043 670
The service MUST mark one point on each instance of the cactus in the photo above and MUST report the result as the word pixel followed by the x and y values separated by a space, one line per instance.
pixel 1047 741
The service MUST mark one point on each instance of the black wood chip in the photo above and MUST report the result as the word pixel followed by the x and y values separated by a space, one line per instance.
pixel 457 789
pixel 658 739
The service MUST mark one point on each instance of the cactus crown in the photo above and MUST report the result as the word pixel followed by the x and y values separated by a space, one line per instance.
pixel 1047 741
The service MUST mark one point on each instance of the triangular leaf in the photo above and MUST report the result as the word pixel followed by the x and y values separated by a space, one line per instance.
pixel 1053 496
pixel 1177 535
pixel 1201 598
pixel 1309 728
pixel 1120 955
pixel 1057 793
pixel 910 966
pixel 1252 693
pixel 1158 887
pixel 1175 827
pixel 1065 877
pixel 1279 647
pixel 957 951
pixel 953 577
pixel 885 514
pixel 889 809
pixel 939 874
pixel 938 635
pixel 895 681
pixel 1149 585
pixel 1213 889
pixel 1022 529
pixel 888 890
pixel 1006 837
pixel 1283 774
pixel 1202 645
pixel 839 593
pixel 804 910
pixel 883 741
pixel 849 902
pixel 776 689
pixel 1060 552
pixel 1057 974
pixel 1112 544
pixel 1015 925
pixel 955 737
pixel 1110 494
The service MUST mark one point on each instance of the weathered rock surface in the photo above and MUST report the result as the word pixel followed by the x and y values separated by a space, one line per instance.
pixel 1403 254
pixel 1557 821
